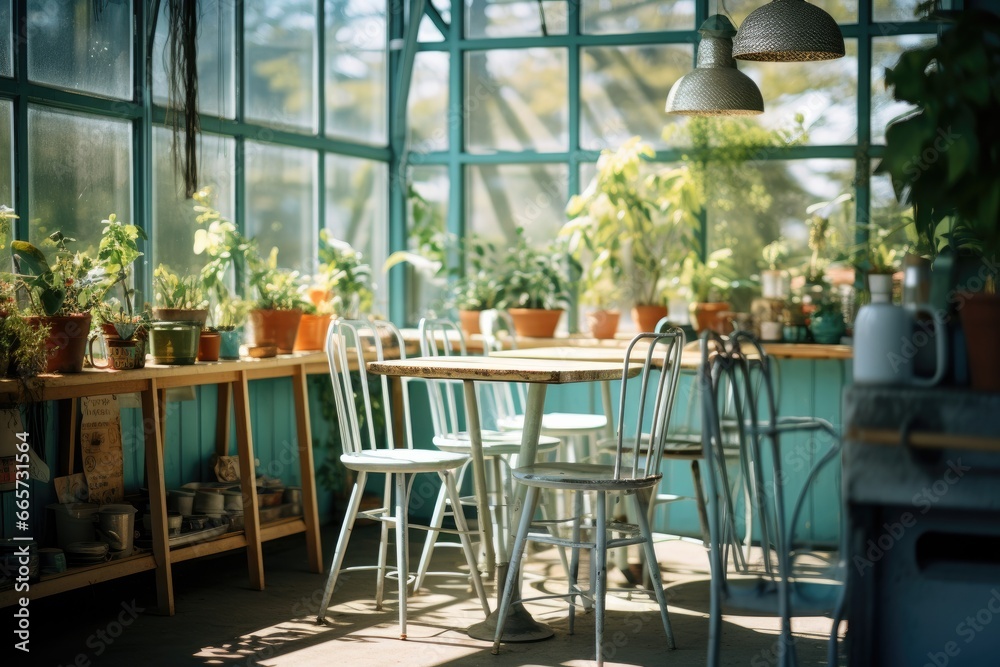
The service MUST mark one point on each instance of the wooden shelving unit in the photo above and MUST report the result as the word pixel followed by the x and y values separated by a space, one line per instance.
pixel 232 378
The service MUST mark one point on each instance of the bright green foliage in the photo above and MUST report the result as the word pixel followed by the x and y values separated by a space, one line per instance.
pixel 345 276
pixel 174 291
pixel 943 157
pixel 71 285
pixel 711 280
pixel 117 252
pixel 533 277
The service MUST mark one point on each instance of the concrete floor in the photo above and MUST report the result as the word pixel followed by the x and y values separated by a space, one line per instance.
pixel 218 621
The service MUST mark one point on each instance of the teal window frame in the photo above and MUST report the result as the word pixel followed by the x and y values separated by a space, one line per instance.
pixel 457 157
pixel 144 115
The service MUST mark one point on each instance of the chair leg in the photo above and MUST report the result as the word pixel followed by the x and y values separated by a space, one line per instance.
pixel 401 550
pixel 600 557
pixel 654 570
pixel 530 501
pixel 574 562
pixel 383 544
pixel 342 540
pixel 699 494
pixel 437 520
pixel 448 483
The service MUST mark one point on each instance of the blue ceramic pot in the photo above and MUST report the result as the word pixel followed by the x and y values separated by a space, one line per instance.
pixel 827 329
pixel 230 347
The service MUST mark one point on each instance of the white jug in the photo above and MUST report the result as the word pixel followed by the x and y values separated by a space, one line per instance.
pixel 886 341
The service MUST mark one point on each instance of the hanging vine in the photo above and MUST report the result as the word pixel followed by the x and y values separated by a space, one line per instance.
pixel 182 88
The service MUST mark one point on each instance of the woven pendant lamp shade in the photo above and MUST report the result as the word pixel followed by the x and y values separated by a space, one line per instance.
pixel 715 87
pixel 788 31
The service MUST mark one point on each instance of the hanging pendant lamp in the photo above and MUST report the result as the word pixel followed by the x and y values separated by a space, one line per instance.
pixel 715 87
pixel 788 31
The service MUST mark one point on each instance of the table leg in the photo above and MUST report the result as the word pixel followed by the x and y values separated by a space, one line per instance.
pixel 303 432
pixel 248 481
pixel 478 473
pixel 520 626
pixel 152 436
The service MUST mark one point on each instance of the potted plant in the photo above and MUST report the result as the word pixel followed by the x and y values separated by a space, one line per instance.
pixel 277 310
pixel 535 289
pixel 125 328
pixel 942 160
pixel 230 317
pixel 602 293
pixel 826 324
pixel 179 317
pixel 23 352
pixel 634 226
pixel 772 278
pixel 880 259
pixel 60 295
pixel 708 284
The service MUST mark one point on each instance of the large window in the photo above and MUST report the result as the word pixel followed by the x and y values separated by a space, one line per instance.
pixel 293 97
pixel 543 87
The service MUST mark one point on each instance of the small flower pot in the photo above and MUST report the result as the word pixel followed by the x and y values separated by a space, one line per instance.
pixel 199 315
pixel 710 316
pixel 132 360
pixel 535 322
pixel 646 316
pixel 229 347
pixel 208 346
pixel 980 315
pixel 603 324
pixel 274 327
pixel 174 342
pixel 469 321
pixel 67 341
pixel 311 334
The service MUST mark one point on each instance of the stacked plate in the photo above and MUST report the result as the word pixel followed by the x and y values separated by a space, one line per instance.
pixel 86 553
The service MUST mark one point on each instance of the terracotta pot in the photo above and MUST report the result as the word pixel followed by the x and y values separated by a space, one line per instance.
pixel 980 322
pixel 318 295
pixel 646 316
pixel 535 322
pixel 312 333
pixel 181 315
pixel 469 321
pixel 208 346
pixel 603 324
pixel 67 341
pixel 709 316
pixel 274 327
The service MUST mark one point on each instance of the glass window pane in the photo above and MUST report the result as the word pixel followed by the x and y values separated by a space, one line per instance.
pixel 825 93
pixel 427 114
pixel 885 54
pixel 281 202
pixel 356 70
pixel 517 100
pixel 504 197
pixel 623 91
pixel 895 10
pixel 790 186
pixel 281 63
pixel 515 18
pixel 173 215
pixel 357 211
pixel 431 185
pixel 81 45
pixel 79 171
pixel 216 58
pixel 844 11
pixel 6 55
pixel 428 31
pixel 627 16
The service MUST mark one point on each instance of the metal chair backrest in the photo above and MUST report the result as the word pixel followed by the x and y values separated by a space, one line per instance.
pixel 365 421
pixel 509 398
pixel 641 448
pixel 441 337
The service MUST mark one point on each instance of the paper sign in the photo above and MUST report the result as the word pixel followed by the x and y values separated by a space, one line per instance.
pixel 101 444
pixel 72 488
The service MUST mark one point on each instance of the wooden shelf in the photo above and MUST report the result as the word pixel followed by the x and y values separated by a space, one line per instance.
pixel 232 378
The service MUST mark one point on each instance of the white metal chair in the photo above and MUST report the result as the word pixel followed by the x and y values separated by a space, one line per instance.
pixel 444 337
pixel 738 370
pixel 350 344
pixel 635 470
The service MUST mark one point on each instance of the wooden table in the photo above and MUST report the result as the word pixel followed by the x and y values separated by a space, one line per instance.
pixel 151 382
pixel 538 374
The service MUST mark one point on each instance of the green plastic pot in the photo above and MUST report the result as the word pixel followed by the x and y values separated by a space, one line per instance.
pixel 174 342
